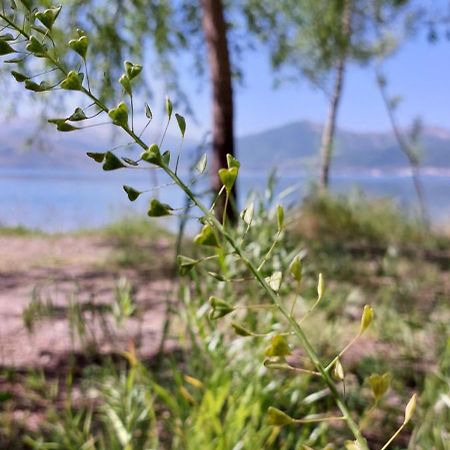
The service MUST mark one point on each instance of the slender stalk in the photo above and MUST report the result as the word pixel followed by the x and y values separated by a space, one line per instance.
pixel 389 442
pixel 219 228
pixel 269 253
pixel 319 419
pixel 405 147
pixel 292 369
pixel 274 297
pixel 342 352
pixel 225 207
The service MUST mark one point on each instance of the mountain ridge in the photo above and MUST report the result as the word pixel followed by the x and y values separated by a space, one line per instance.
pixel 293 146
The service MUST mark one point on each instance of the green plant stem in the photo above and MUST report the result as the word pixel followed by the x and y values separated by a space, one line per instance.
pixel 329 366
pixel 319 419
pixel 291 369
pixel 225 207
pixel 274 297
pixel 310 310
pixel 18 29
pixel 389 442
pixel 261 306
pixel 253 269
pixel 269 253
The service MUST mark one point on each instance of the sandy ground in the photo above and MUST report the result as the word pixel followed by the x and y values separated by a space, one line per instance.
pixel 61 270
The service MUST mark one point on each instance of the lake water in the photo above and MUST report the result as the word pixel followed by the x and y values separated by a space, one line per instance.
pixel 61 201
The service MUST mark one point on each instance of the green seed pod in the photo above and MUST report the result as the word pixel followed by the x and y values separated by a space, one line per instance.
pixel 132 193
pixel 207 237
pixel 112 162
pixel 181 124
pixel 158 209
pixel 232 162
pixel 48 17
pixel 280 217
pixel 119 115
pixel 219 308
pixel 279 347
pixel 276 417
pixel 367 318
pixel 295 269
pixel 228 177
pixel 410 408
pixel 152 155
pixel 80 45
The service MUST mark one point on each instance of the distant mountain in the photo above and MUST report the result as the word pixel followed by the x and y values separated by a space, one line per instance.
pixel 295 146
pixel 48 149
pixel 290 147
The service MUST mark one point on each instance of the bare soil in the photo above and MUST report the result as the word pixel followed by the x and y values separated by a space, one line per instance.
pixel 64 269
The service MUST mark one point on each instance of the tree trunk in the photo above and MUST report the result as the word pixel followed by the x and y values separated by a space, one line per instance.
pixel 215 30
pixel 406 149
pixel 329 131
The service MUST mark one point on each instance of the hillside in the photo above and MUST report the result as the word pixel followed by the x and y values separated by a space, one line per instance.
pixel 293 146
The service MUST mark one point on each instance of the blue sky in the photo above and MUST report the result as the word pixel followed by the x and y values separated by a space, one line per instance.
pixel 419 72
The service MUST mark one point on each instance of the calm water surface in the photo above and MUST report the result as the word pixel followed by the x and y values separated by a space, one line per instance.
pixel 69 200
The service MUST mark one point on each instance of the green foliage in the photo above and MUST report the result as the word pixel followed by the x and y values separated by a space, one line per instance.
pixel 356 220
pixel 310 38
pixel 230 392
pixel 135 241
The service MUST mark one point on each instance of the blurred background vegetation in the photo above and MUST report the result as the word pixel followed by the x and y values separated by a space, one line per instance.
pixel 106 345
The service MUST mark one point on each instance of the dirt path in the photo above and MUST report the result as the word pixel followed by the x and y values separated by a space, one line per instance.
pixel 55 271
